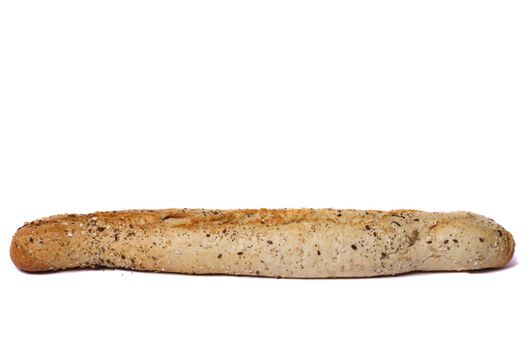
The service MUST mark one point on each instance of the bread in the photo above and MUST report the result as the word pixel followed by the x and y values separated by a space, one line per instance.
pixel 288 243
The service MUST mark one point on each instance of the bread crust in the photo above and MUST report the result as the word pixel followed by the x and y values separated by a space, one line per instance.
pixel 288 243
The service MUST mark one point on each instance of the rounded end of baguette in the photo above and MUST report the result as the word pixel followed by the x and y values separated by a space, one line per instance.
pixel 22 256
pixel 511 246
pixel 501 243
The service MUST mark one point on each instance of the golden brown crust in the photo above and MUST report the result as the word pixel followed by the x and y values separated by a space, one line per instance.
pixel 304 243
pixel 24 260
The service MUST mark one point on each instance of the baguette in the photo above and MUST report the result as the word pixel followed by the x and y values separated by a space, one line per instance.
pixel 288 243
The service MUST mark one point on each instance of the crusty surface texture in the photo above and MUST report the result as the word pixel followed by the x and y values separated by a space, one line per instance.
pixel 288 243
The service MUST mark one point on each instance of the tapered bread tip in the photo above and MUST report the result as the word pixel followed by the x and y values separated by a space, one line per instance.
pixel 22 257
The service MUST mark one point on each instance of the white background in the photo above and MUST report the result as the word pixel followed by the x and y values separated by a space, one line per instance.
pixel 109 105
